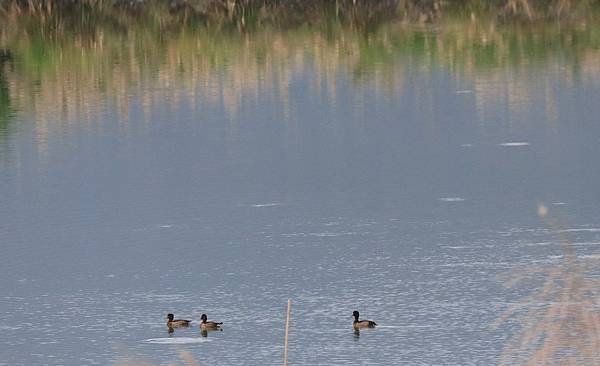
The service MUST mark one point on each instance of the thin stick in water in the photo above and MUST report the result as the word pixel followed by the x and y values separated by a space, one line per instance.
pixel 287 329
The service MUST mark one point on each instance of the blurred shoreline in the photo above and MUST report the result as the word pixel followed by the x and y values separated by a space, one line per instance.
pixel 255 14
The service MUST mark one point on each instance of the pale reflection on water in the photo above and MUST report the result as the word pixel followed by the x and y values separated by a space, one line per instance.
pixel 200 71
pixel 224 176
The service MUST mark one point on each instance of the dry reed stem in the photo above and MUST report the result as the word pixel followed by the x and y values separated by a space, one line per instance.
pixel 560 324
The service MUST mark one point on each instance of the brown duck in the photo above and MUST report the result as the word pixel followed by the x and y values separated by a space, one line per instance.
pixel 362 323
pixel 176 323
pixel 209 325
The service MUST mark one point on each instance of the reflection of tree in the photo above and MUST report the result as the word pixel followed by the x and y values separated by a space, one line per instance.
pixel 560 321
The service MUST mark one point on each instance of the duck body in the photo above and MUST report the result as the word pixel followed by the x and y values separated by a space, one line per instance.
pixel 176 323
pixel 362 323
pixel 209 325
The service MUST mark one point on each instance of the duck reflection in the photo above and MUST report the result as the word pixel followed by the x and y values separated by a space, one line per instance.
pixel 204 332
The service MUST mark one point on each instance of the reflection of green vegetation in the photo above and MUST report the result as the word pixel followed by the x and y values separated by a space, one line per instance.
pixel 5 105
pixel 83 68
pixel 5 109
pixel 460 45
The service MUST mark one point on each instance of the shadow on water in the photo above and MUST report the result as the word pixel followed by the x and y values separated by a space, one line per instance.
pixel 560 322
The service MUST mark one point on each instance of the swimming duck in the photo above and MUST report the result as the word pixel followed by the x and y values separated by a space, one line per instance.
pixel 362 323
pixel 208 325
pixel 176 323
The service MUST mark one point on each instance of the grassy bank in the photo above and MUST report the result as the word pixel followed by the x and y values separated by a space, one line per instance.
pixel 251 14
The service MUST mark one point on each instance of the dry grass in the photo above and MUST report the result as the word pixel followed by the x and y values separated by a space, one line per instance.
pixel 254 13
pixel 560 321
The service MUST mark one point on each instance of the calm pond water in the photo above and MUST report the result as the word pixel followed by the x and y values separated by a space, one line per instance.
pixel 396 173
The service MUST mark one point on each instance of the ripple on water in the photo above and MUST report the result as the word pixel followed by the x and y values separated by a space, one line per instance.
pixel 176 340
pixel 591 230
pixel 451 199
pixel 514 144
pixel 272 204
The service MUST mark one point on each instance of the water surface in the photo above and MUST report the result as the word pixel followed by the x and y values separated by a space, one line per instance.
pixel 396 173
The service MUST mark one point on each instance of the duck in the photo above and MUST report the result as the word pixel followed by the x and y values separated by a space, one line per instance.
pixel 362 323
pixel 176 323
pixel 209 325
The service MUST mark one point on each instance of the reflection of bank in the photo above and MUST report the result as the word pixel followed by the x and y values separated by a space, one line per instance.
pixel 83 75
pixel 560 322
